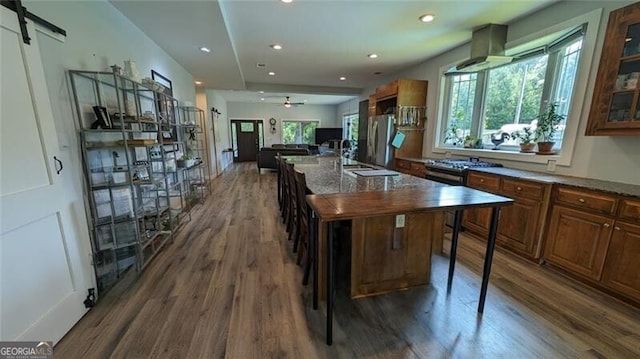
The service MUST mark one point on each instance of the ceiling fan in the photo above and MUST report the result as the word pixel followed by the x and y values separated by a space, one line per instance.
pixel 288 103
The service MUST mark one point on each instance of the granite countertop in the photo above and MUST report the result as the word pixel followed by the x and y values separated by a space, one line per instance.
pixel 623 189
pixel 333 175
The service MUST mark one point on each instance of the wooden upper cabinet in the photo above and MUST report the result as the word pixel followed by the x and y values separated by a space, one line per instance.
pixel 412 93
pixel 372 105
pixel 406 100
pixel 615 109
pixel 386 91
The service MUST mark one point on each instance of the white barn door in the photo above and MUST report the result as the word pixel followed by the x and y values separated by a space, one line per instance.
pixel 42 276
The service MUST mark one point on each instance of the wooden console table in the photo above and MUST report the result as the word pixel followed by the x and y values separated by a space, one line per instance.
pixel 329 208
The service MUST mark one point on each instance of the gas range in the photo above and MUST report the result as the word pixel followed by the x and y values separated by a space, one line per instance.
pixel 452 171
pixel 459 165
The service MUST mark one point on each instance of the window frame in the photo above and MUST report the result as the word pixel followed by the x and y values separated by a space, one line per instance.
pixel 576 110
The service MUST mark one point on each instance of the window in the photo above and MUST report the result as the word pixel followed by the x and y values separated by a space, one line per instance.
pixel 299 132
pixel 350 124
pixel 509 98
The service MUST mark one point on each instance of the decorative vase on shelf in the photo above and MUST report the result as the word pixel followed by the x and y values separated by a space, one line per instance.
pixel 131 70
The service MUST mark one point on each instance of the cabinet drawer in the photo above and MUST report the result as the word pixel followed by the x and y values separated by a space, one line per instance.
pixel 630 209
pixel 483 181
pixel 419 169
pixel 526 189
pixel 586 200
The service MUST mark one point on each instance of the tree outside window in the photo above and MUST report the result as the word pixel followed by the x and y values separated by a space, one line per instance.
pixel 299 132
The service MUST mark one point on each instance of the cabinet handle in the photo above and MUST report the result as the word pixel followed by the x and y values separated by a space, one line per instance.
pixel 616 228
pixel 58 170
pixel 581 200
pixel 519 188
pixel 606 225
pixel 481 180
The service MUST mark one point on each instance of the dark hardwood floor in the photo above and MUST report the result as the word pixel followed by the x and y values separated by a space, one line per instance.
pixel 228 286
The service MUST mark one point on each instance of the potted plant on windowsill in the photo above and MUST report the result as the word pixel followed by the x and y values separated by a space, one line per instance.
pixel 472 142
pixel 547 123
pixel 527 140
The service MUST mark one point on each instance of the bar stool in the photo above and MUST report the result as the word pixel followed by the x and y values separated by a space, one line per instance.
pixel 302 240
pixel 292 202
pixel 280 182
pixel 286 194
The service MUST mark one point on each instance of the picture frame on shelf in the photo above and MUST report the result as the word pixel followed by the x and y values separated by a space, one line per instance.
pixel 168 87
pixel 102 118
pixel 167 134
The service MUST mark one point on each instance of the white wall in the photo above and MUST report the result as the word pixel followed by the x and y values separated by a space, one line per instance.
pixel 98 35
pixel 608 158
pixel 220 128
pixel 325 113
pixel 347 108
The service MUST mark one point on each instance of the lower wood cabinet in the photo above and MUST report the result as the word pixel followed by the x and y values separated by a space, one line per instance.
pixel 518 227
pixel 588 238
pixel 413 168
pixel 521 225
pixel 622 265
pixel 578 241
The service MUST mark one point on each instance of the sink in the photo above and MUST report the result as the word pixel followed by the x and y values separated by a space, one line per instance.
pixel 356 167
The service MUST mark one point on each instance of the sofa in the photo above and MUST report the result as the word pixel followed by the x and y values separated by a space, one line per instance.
pixel 267 156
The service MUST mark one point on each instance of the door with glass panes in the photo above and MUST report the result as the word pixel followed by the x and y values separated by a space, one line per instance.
pixel 247 137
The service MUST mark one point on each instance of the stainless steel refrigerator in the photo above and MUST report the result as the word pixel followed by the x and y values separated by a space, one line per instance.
pixel 379 140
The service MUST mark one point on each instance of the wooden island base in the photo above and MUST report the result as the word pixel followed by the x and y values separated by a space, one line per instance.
pixel 385 258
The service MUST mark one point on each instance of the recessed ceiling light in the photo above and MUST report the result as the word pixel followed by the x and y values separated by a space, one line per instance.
pixel 287 1
pixel 342 78
pixel 276 46
pixel 261 98
pixel 427 17
pixel 261 91
pixel 372 56
pixel 198 82
pixel 205 49
pixel 271 73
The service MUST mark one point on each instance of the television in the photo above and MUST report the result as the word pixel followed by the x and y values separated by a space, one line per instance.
pixel 326 134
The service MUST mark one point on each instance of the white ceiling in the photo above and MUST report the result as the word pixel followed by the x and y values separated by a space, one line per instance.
pixel 322 40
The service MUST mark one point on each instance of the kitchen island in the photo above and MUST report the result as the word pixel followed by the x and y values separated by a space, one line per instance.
pixel 395 218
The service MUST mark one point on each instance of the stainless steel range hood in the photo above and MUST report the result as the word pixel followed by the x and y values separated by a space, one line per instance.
pixel 487 50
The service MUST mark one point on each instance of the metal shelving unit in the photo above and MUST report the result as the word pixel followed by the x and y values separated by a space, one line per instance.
pixel 197 174
pixel 130 142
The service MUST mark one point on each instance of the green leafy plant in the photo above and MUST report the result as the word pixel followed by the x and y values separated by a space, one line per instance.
pixel 453 134
pixel 547 123
pixel 472 142
pixel 525 135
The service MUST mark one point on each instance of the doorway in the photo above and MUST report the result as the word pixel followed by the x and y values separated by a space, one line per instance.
pixel 247 137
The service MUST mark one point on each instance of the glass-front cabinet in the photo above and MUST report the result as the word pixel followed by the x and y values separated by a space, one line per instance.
pixel 136 195
pixel 615 109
